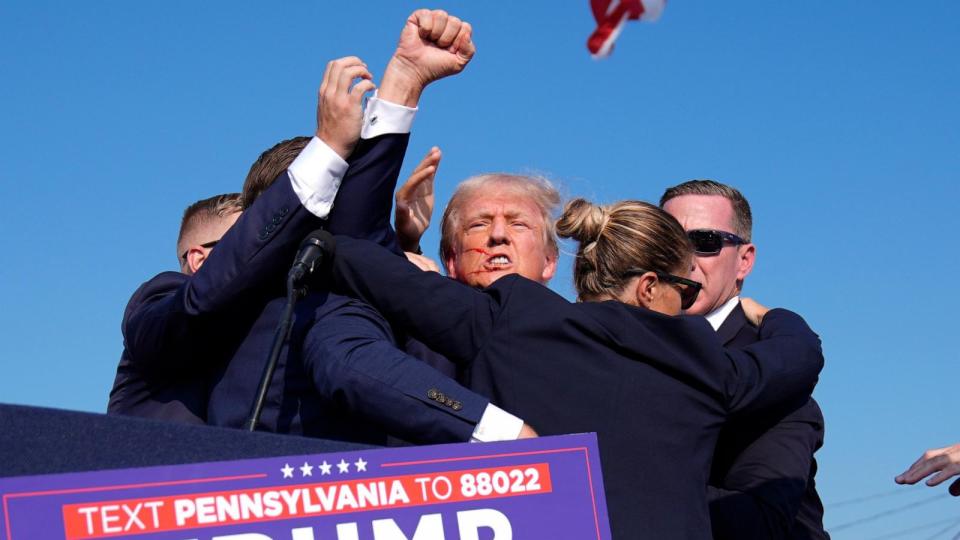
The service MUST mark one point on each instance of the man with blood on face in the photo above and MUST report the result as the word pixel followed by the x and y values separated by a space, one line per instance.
pixel 500 224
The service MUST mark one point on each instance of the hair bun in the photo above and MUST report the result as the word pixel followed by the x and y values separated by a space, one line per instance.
pixel 582 220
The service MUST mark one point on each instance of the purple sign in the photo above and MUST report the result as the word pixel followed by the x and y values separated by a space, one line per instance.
pixel 549 487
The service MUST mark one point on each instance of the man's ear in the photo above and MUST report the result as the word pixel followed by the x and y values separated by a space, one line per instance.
pixel 195 257
pixel 550 269
pixel 747 254
pixel 450 264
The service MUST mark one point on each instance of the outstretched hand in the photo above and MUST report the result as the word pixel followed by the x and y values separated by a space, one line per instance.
pixel 433 45
pixel 753 310
pixel 415 202
pixel 945 462
pixel 339 106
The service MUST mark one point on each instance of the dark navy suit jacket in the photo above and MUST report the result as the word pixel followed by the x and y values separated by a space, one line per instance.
pixel 762 481
pixel 340 375
pixel 177 328
pixel 656 389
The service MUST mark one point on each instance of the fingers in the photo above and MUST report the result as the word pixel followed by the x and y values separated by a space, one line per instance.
pixel 340 74
pixel 440 18
pixel 931 461
pixel 424 263
pixel 348 74
pixel 425 170
pixel 463 44
pixel 362 88
pixel 423 18
pixel 753 310
pixel 450 32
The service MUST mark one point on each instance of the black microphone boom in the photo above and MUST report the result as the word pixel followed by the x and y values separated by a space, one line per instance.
pixel 311 253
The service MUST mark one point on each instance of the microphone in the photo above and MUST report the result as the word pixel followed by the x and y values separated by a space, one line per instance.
pixel 312 250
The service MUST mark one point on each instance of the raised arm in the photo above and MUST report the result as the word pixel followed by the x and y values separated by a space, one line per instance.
pixel 253 255
pixel 432 45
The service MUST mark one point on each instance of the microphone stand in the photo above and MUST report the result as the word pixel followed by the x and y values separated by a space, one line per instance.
pixel 311 250
pixel 279 338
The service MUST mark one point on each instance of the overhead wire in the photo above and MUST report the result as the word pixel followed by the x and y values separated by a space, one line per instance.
pixel 878 515
pixel 953 521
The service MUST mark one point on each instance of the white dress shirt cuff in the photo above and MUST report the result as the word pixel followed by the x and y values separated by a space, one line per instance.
pixel 496 424
pixel 383 117
pixel 316 176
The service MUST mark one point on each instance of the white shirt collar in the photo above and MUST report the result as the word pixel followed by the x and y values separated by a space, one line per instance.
pixel 717 316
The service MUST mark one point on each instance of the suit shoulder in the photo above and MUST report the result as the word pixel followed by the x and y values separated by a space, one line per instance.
pixel 161 284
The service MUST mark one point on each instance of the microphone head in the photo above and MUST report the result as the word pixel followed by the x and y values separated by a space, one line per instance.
pixel 320 239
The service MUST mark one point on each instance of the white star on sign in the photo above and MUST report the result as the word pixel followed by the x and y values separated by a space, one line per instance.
pixel 287 470
pixel 343 466
pixel 325 468
pixel 307 469
pixel 361 465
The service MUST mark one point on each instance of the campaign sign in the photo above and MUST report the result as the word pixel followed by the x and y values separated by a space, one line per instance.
pixel 549 487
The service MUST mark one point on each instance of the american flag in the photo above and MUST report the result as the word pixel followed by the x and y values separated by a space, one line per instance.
pixel 612 14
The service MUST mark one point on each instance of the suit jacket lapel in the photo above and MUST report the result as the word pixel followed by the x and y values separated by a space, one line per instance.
pixel 732 325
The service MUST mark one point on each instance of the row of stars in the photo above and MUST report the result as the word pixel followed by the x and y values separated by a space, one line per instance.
pixel 306 469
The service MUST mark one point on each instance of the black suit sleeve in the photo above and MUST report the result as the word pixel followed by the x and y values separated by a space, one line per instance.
pixel 452 318
pixel 253 256
pixel 763 473
pixel 782 367
pixel 164 325
pixel 354 363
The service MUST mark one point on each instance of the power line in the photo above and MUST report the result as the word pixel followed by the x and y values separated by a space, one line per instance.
pixel 953 522
pixel 887 512
pixel 864 498
pixel 941 531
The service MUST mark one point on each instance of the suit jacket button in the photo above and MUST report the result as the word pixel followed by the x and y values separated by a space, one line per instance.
pixel 270 227
pixel 440 397
pixel 283 211
pixel 276 219
pixel 456 406
pixel 432 393
pixel 448 402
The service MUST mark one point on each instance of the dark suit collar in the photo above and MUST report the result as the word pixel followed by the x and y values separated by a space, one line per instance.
pixel 732 324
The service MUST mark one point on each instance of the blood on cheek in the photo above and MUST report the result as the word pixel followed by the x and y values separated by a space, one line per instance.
pixel 483 252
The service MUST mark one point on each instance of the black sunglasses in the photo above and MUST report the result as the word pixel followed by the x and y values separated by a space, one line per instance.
pixel 710 241
pixel 209 244
pixel 688 288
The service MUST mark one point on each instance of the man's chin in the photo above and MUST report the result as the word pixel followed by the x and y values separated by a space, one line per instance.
pixel 485 278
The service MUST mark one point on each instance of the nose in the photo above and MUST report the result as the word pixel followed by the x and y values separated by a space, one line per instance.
pixel 499 232
pixel 697 273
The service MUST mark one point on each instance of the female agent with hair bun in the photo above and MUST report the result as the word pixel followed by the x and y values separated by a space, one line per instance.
pixel 654 386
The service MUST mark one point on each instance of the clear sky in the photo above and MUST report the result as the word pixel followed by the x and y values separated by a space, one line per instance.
pixel 839 121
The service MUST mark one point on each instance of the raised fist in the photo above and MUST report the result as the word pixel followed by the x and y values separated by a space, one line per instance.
pixel 432 45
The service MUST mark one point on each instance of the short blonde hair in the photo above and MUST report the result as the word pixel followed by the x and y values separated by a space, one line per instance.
pixel 534 188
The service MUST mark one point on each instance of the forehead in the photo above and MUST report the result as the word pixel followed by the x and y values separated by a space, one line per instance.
pixel 701 211
pixel 500 201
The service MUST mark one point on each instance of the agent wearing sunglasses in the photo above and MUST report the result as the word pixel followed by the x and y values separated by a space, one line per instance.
pixel 655 387
pixel 778 499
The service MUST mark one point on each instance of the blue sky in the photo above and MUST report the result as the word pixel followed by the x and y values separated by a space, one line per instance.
pixel 839 121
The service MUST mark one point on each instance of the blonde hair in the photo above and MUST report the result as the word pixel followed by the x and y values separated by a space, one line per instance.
pixel 536 189
pixel 617 237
